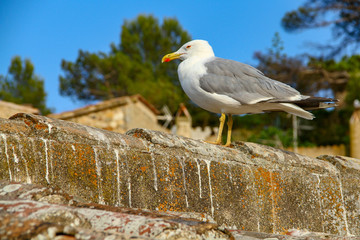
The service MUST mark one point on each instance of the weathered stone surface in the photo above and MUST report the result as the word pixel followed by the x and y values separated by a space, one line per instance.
pixel 348 186
pixel 248 187
pixel 24 217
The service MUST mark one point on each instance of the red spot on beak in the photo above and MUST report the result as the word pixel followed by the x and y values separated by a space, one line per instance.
pixel 167 60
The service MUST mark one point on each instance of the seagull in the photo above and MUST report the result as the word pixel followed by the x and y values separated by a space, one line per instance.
pixel 228 87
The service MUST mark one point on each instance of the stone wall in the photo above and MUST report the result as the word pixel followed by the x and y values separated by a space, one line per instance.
pixel 38 212
pixel 247 187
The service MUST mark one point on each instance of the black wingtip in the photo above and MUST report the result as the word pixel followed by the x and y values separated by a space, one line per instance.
pixel 311 103
pixel 316 103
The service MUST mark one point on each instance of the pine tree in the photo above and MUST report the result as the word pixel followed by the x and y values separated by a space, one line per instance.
pixel 22 86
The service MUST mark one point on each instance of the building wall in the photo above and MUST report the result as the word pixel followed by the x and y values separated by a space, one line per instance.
pixel 133 114
pixel 336 150
pixel 140 116
pixel 111 119
pixel 8 109
pixel 183 126
pixel 355 134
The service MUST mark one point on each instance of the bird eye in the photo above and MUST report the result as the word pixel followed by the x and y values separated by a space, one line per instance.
pixel 188 46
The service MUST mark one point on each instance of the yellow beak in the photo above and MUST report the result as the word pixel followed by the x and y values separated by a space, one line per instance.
pixel 171 56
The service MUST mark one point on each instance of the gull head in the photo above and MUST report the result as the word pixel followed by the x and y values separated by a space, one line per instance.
pixel 194 48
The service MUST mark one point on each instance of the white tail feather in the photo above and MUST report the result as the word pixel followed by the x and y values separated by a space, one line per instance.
pixel 295 110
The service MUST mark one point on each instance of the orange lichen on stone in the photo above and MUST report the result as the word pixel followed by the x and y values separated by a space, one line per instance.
pixel 40 126
pixel 162 206
pixel 240 187
pixel 172 171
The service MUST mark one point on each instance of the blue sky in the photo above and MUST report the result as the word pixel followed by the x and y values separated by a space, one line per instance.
pixel 48 31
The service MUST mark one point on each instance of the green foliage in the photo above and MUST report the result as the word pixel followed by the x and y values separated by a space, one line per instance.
pixel 277 47
pixel 353 88
pixel 342 15
pixel 130 68
pixel 22 86
pixel 329 128
pixel 97 76
pixel 275 64
pixel 274 137
pixel 349 64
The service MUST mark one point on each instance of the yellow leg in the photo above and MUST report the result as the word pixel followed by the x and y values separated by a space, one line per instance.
pixel 230 124
pixel 221 127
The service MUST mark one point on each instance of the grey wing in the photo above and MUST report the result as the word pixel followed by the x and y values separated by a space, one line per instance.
pixel 243 83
